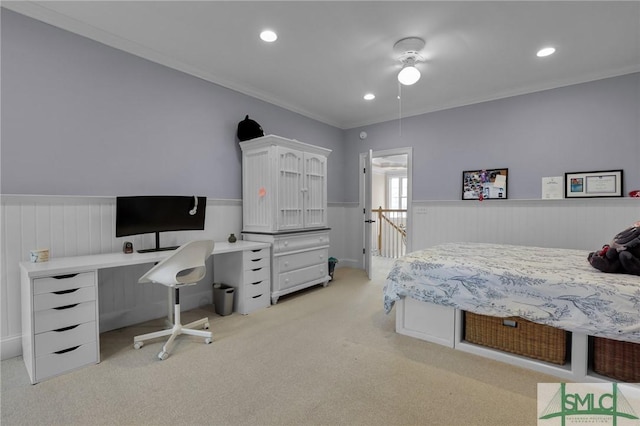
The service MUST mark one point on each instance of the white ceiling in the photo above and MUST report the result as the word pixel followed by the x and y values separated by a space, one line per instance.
pixel 390 162
pixel 329 54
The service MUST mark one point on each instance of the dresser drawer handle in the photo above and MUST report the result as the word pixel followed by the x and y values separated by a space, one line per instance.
pixel 71 327
pixel 257 269
pixel 256 250
pixel 59 308
pixel 256 260
pixel 66 291
pixel 66 350
pixel 256 283
pixel 64 277
pixel 255 297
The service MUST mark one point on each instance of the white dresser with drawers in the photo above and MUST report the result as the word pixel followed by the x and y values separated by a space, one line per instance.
pixel 300 260
pixel 59 324
pixel 284 203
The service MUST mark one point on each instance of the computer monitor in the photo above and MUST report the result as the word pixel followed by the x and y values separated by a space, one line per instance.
pixel 154 214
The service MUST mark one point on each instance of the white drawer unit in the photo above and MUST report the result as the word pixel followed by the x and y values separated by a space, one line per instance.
pixel 59 324
pixel 300 260
pixel 249 275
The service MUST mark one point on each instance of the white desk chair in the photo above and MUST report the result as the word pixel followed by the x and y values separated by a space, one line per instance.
pixel 186 266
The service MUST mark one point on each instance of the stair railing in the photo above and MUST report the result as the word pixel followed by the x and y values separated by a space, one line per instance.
pixel 391 232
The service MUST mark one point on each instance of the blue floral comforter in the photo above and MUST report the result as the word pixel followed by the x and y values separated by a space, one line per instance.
pixel 557 287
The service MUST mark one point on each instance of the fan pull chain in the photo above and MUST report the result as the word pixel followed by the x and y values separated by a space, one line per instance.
pixel 399 109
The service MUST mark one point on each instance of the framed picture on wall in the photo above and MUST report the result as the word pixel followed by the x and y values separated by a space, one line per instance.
pixel 485 184
pixel 607 183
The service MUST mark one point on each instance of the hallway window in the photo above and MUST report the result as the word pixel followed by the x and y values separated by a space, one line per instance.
pixel 397 190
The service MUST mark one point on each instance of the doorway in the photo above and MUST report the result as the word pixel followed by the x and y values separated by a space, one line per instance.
pixel 385 199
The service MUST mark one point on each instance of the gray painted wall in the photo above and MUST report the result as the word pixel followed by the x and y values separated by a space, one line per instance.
pixel 584 127
pixel 82 118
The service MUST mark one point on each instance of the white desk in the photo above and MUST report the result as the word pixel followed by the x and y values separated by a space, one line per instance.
pixel 60 316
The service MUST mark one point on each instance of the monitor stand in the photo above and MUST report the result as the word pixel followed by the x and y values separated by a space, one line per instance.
pixel 158 248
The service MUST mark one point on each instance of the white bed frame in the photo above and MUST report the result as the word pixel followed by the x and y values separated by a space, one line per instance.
pixel 444 325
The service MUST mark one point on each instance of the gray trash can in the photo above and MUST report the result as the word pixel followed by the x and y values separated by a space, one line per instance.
pixel 223 298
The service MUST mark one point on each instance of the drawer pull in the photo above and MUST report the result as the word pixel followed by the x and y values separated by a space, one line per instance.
pixel 256 250
pixel 256 260
pixel 255 297
pixel 66 291
pixel 59 308
pixel 64 277
pixel 66 350
pixel 71 327
pixel 257 269
pixel 256 283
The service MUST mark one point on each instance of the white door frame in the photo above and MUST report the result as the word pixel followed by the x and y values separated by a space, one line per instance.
pixel 408 151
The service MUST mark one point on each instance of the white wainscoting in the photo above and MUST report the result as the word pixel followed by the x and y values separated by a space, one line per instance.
pixel 583 224
pixel 70 226
pixel 346 235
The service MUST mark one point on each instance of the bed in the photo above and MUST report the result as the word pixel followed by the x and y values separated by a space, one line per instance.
pixel 555 287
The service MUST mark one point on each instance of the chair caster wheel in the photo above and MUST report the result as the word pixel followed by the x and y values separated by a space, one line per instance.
pixel 138 345
pixel 163 355
pixel 207 341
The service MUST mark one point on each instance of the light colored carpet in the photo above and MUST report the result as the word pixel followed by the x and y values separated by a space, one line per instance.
pixel 324 356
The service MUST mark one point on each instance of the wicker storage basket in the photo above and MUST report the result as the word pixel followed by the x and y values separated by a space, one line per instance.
pixel 616 359
pixel 518 336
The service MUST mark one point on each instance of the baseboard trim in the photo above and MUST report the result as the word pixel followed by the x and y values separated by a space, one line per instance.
pixel 10 347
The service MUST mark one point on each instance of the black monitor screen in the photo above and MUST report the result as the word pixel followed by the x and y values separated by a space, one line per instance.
pixel 146 214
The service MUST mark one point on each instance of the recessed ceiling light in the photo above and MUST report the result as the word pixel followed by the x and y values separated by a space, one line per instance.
pixel 369 97
pixel 268 36
pixel 546 52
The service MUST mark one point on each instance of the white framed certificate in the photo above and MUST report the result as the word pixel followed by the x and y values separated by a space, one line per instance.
pixel 552 188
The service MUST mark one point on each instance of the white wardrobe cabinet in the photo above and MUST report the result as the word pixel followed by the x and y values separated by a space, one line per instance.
pixel 284 198
pixel 284 185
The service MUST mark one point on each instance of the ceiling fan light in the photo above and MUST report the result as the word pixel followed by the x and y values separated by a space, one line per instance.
pixel 545 52
pixel 409 75
pixel 268 36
